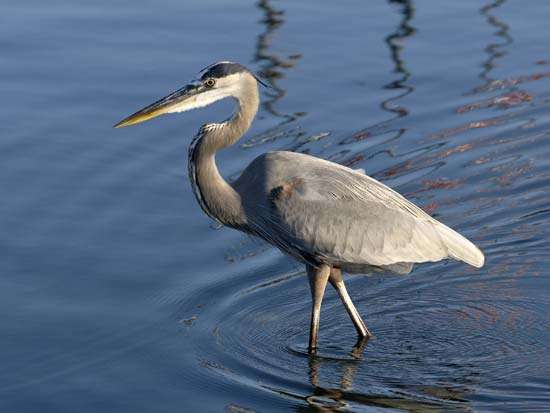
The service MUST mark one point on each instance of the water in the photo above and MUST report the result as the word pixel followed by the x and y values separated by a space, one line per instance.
pixel 118 294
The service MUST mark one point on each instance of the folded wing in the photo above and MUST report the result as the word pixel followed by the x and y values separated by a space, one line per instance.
pixel 344 216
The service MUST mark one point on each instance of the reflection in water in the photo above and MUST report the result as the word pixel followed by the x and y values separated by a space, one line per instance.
pixel 272 64
pixel 494 51
pixel 334 397
pixel 272 68
pixel 394 42
pixel 328 399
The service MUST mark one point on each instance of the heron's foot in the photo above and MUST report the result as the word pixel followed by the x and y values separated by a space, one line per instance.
pixel 362 330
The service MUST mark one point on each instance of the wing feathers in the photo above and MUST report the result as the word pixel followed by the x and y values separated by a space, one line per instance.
pixel 330 211
pixel 460 248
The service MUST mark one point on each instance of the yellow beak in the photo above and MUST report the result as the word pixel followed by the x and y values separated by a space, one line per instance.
pixel 167 104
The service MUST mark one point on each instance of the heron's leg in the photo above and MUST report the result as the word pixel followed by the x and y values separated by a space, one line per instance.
pixel 338 283
pixel 318 278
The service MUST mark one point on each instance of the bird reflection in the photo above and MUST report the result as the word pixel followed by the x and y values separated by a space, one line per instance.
pixel 344 397
pixel 326 399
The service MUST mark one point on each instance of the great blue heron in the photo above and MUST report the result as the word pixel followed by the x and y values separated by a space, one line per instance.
pixel 323 214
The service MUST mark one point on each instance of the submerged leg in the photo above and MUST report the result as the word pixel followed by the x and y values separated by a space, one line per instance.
pixel 318 278
pixel 338 283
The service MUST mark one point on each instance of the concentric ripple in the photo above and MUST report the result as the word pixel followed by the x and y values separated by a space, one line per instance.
pixel 430 346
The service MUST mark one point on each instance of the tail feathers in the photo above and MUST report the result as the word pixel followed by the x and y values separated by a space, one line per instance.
pixel 460 248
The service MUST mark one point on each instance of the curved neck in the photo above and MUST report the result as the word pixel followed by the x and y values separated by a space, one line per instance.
pixel 215 195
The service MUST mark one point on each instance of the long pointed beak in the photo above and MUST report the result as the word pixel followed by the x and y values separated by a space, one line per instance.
pixel 174 102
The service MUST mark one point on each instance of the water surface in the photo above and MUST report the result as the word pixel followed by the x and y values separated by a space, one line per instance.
pixel 118 293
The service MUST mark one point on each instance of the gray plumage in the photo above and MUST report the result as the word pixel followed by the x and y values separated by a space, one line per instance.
pixel 326 215
pixel 323 211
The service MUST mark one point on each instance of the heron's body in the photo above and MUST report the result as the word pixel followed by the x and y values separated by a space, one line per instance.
pixel 322 212
pixel 326 215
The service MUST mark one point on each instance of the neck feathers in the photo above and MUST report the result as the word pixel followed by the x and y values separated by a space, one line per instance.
pixel 216 196
pixel 216 136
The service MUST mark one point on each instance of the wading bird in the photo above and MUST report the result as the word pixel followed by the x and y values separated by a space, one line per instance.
pixel 330 217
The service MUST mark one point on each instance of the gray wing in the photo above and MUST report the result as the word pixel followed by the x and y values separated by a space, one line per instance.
pixel 302 203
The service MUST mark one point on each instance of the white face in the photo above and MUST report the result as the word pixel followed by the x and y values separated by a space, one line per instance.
pixel 225 87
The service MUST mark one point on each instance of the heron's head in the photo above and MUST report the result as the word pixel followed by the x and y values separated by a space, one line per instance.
pixel 218 81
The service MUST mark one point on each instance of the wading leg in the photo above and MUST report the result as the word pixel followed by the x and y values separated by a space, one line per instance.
pixel 338 283
pixel 318 278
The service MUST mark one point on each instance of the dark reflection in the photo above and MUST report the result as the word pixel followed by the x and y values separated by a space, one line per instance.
pixel 327 399
pixel 343 397
pixel 272 64
pixel 349 366
pixel 495 50
pixel 395 43
pixel 272 68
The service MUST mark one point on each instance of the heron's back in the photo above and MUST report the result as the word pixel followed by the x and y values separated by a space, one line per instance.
pixel 318 210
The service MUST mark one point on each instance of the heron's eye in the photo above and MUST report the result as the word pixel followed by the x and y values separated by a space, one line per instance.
pixel 209 82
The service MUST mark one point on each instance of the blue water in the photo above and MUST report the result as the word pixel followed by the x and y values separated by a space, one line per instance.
pixel 118 294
